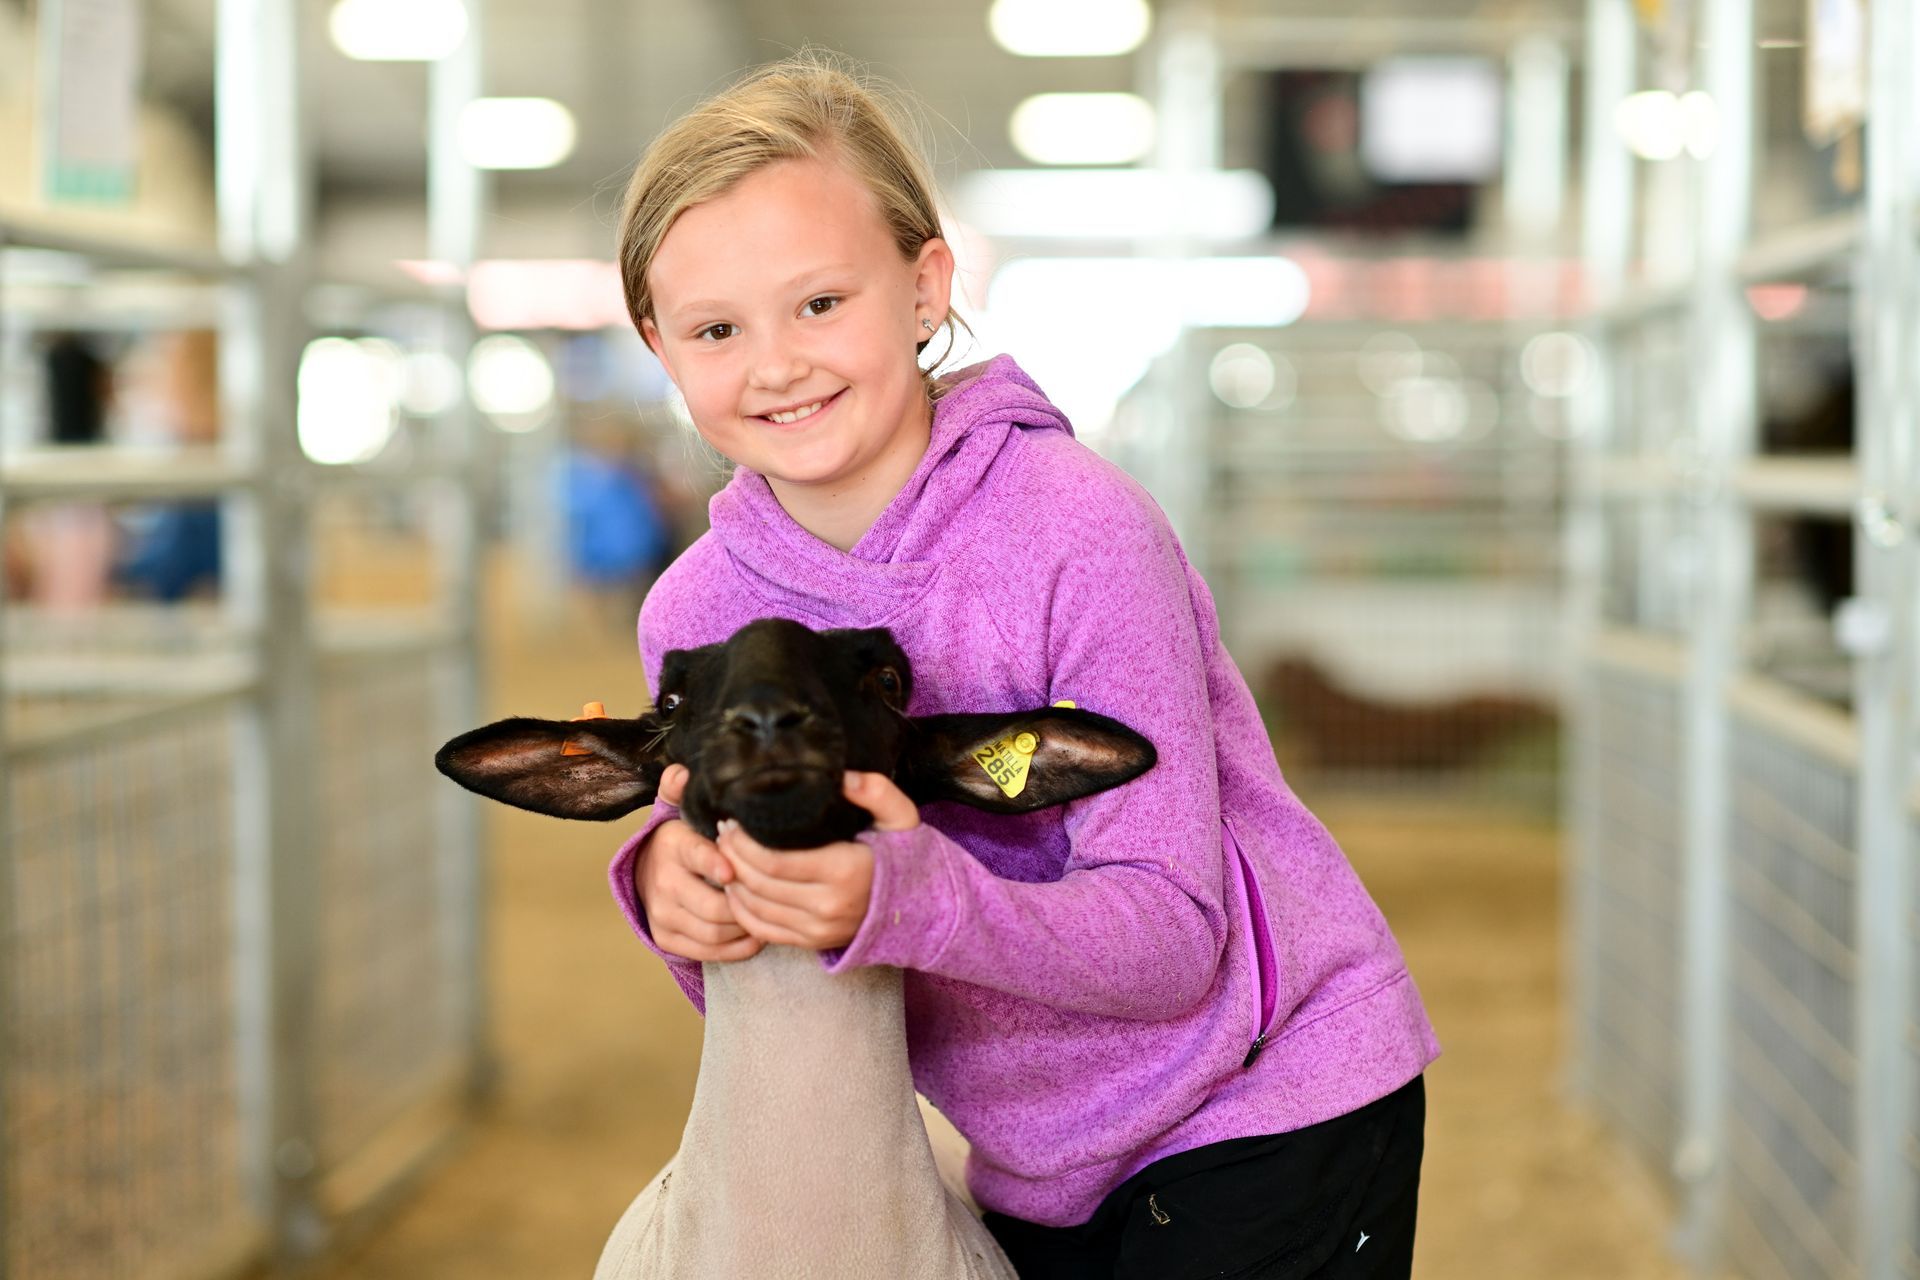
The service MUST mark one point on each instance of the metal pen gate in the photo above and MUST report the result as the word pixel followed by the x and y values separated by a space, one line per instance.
pixel 240 919
pixel 1744 952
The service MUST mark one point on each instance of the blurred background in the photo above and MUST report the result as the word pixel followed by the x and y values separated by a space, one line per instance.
pixel 1534 381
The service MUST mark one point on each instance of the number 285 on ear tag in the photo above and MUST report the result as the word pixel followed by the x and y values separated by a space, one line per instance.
pixel 1008 761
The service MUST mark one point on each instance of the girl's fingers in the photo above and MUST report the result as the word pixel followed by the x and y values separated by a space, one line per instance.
pixel 673 784
pixel 763 929
pixel 879 796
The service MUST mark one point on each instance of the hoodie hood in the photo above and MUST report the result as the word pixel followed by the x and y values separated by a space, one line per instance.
pixel 895 563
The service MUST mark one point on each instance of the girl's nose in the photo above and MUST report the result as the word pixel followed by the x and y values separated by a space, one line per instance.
pixel 776 367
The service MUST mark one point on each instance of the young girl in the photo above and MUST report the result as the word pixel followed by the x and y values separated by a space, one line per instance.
pixel 1175 1029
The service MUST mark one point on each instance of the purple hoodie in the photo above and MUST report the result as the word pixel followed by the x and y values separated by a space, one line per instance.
pixel 1085 984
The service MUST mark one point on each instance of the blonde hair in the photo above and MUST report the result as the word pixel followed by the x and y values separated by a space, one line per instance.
pixel 811 105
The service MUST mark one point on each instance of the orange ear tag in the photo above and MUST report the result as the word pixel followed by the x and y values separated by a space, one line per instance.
pixel 592 711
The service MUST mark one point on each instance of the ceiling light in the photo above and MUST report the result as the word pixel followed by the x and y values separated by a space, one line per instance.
pixel 516 133
pixel 397 30
pixel 1651 124
pixel 1083 128
pixel 345 412
pixel 511 381
pixel 1069 28
pixel 1116 204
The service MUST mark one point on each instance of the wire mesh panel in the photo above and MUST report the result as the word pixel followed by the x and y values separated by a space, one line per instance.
pixel 123 1152
pixel 1791 1052
pixel 1633 885
pixel 386 1032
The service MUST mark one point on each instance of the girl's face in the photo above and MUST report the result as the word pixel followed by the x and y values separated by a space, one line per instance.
pixel 787 318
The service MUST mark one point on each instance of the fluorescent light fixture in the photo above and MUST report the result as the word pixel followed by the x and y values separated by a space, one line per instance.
pixel 346 389
pixel 516 133
pixel 1699 123
pixel 1651 124
pixel 1431 120
pixel 397 30
pixel 1083 128
pixel 1069 28
pixel 511 380
pixel 1116 204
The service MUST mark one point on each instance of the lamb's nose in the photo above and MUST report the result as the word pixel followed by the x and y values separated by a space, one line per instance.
pixel 766 719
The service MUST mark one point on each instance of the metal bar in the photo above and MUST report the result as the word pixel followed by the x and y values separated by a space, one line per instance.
pixel 1722 339
pixel 108 473
pixel 1813 486
pixel 18 234
pixel 1808 249
pixel 263 187
pixel 102 729
pixel 1606 214
pixel 8 932
pixel 457 196
pixel 1791 716
pixel 1888 424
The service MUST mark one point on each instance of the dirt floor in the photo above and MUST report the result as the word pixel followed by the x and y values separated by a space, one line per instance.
pixel 598 1050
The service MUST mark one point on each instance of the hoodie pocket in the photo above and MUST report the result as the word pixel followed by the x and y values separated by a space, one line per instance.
pixel 1264 965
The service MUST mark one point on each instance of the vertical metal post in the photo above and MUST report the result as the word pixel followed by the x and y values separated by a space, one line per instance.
pixel 7 931
pixel 1722 344
pixel 263 188
pixel 456 199
pixel 1186 70
pixel 1606 214
pixel 1886 336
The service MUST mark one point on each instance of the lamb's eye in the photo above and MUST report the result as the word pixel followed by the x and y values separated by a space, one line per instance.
pixel 889 681
pixel 670 703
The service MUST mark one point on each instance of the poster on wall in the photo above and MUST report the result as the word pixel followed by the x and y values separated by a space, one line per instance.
pixel 89 100
pixel 1836 71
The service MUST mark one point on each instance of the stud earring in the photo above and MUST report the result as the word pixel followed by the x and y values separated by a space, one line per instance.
pixel 926 324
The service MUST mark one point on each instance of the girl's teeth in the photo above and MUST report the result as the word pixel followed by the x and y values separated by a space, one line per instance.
pixel 804 411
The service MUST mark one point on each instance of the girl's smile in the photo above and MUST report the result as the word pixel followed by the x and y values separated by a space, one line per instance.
pixel 800 413
pixel 788 317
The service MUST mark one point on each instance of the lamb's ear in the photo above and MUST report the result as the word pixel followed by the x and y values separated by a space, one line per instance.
pixel 968 757
pixel 597 769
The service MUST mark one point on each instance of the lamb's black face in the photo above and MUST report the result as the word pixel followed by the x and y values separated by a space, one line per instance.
pixel 770 720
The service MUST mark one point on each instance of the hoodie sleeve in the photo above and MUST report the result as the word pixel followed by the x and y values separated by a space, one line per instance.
pixel 620 874
pixel 1136 925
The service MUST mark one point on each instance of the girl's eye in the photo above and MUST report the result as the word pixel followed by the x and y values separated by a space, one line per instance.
pixel 820 306
pixel 714 332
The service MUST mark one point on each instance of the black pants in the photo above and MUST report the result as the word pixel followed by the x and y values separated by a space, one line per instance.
pixel 1333 1201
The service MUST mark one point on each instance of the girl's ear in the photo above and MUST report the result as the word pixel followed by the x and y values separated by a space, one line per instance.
pixel 650 332
pixel 1019 761
pixel 594 769
pixel 933 280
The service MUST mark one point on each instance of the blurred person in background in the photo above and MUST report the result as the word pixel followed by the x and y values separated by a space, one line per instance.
pixel 618 539
pixel 173 549
pixel 60 554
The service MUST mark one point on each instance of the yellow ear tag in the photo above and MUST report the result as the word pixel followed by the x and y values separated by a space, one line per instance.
pixel 1008 761
pixel 1066 702
pixel 592 711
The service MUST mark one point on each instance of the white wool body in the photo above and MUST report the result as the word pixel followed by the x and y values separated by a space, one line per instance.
pixel 805 1155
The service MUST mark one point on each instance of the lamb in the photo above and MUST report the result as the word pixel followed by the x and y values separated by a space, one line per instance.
pixel 804 1153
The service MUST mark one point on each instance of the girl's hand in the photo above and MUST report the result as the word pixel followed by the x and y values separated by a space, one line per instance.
pixel 812 898
pixel 678 879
